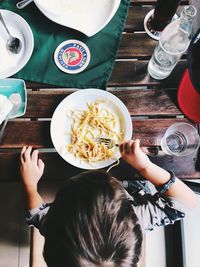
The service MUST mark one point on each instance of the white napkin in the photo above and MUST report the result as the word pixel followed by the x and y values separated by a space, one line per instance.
pixel 5 107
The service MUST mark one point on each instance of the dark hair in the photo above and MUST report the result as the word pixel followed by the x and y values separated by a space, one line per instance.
pixel 91 223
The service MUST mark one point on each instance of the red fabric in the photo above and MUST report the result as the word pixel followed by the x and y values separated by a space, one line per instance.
pixel 188 98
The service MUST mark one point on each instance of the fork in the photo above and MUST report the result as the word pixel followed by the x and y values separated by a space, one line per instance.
pixel 109 143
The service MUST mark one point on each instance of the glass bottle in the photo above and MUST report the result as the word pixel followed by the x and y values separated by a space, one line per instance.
pixel 173 42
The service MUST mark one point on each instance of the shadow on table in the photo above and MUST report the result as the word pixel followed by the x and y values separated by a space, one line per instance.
pixel 185 167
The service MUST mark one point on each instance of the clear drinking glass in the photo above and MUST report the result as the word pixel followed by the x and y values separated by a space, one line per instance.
pixel 180 139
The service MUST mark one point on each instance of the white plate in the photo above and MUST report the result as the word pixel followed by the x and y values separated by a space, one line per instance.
pixel 18 27
pixel 88 16
pixel 61 124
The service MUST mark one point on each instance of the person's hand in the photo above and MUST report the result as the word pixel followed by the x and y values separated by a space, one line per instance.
pixel 132 153
pixel 31 168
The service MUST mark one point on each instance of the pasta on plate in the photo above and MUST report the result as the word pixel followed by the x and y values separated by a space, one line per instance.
pixel 97 121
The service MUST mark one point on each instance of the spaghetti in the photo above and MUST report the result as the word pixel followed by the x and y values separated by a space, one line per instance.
pixel 91 123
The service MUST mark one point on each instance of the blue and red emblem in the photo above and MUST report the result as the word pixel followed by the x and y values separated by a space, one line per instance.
pixel 72 56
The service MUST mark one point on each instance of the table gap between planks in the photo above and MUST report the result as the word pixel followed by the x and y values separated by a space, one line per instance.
pixel 152 105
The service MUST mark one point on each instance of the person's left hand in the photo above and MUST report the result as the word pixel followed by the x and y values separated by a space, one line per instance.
pixel 31 168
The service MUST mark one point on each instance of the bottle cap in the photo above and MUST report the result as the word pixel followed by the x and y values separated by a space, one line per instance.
pixel 72 56
pixel 189 12
pixel 189 88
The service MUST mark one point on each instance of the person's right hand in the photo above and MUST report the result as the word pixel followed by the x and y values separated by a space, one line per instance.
pixel 31 168
pixel 132 153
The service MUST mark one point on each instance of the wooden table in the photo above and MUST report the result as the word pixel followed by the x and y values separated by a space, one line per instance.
pixel 152 105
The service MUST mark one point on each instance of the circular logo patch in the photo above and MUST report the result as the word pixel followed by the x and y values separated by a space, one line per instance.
pixel 72 56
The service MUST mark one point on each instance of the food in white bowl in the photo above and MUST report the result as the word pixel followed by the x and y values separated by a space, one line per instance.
pixel 90 124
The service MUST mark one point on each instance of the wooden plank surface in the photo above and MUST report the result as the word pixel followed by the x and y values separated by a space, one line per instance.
pixel 37 133
pixel 136 17
pixel 140 102
pixel 57 169
pixel 149 131
pixel 134 73
pixel 128 73
pixel 130 46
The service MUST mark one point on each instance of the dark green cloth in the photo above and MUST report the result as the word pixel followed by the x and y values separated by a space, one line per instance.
pixel 48 35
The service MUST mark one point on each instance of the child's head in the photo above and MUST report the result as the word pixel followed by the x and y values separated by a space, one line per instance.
pixel 92 224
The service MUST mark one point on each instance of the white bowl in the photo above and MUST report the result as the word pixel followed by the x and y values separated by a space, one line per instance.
pixel 61 124
pixel 18 27
pixel 88 16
